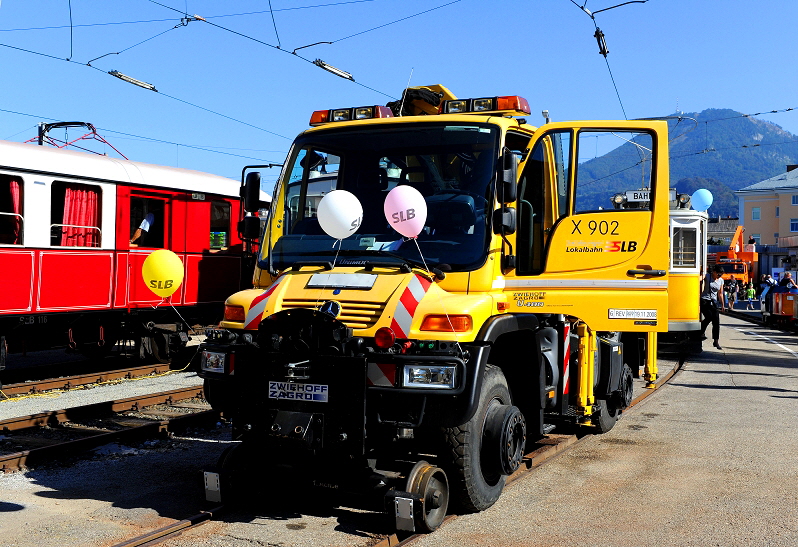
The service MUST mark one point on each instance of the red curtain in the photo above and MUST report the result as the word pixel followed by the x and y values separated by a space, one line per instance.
pixel 16 208
pixel 81 208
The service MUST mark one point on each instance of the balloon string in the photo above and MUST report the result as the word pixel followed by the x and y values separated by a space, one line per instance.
pixel 440 299
pixel 164 299
pixel 335 259
pixel 415 240
pixel 183 320
pixel 168 300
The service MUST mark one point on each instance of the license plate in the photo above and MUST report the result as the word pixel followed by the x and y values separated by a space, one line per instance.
pixel 298 392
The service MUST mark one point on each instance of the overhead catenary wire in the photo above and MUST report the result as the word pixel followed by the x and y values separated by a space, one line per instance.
pixel 396 21
pixel 171 19
pixel 274 23
pixel 271 45
pixel 71 27
pixel 183 22
pixel 29 128
pixel 160 93
pixel 153 139
pixel 599 35
pixel 192 146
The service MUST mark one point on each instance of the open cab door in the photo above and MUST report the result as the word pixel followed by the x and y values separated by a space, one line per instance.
pixel 592 224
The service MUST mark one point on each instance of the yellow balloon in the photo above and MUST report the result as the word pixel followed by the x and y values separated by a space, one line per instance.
pixel 163 272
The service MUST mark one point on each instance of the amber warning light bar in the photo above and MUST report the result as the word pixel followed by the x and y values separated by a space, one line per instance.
pixel 348 114
pixel 513 105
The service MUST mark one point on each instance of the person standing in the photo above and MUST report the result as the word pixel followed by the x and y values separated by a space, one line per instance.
pixel 766 296
pixel 787 282
pixel 730 290
pixel 711 303
pixel 750 293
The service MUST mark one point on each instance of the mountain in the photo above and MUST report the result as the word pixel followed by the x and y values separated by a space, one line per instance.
pixel 718 149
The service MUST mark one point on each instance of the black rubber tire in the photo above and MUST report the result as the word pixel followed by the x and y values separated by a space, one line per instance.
pixel 475 485
pixel 612 408
pixel 627 388
pixel 605 418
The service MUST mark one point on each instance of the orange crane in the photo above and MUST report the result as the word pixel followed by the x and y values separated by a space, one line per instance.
pixel 741 259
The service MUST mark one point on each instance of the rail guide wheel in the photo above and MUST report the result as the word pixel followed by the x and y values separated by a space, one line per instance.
pixel 429 488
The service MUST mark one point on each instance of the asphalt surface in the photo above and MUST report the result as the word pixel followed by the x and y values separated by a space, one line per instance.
pixel 708 459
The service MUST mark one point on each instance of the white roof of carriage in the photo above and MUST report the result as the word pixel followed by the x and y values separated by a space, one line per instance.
pixel 55 161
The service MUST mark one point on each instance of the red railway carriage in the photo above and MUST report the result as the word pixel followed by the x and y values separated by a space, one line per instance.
pixel 75 229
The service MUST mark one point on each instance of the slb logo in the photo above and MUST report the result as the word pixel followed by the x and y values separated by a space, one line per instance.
pixel 621 247
pixel 156 284
pixel 401 216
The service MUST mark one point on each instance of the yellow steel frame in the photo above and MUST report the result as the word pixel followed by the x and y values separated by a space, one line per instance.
pixel 585 398
pixel 651 369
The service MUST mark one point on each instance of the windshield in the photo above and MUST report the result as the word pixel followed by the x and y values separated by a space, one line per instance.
pixel 733 268
pixel 451 165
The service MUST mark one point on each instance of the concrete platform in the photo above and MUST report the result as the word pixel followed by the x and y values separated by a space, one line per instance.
pixel 709 459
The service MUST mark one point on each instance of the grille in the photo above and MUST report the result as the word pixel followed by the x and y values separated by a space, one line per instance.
pixel 356 315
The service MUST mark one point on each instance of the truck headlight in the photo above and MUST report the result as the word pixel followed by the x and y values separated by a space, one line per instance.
pixel 213 361
pixel 430 376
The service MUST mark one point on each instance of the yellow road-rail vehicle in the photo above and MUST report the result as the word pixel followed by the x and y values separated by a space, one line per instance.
pixel 419 369
pixel 688 265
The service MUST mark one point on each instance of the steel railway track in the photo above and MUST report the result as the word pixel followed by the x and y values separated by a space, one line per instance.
pixel 72 382
pixel 548 448
pixel 72 431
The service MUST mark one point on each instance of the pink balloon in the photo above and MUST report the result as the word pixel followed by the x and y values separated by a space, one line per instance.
pixel 406 210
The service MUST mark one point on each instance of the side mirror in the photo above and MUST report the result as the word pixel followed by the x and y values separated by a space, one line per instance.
pixel 249 227
pixel 504 221
pixel 508 175
pixel 250 193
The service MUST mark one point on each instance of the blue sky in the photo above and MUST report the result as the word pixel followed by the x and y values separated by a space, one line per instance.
pixel 664 55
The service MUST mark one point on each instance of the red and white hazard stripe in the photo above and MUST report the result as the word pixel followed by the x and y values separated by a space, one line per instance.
pixel 255 313
pixel 403 316
pixel 566 359
pixel 381 375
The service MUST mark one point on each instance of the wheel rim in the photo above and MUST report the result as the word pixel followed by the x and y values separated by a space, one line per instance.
pixel 430 484
pixel 503 441
pixel 628 388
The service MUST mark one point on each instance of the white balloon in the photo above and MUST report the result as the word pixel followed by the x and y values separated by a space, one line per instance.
pixel 340 214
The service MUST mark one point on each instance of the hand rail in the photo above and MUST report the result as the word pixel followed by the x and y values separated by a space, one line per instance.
pixel 654 273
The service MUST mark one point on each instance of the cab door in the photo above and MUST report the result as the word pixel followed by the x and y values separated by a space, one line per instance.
pixel 592 225
pixel 150 227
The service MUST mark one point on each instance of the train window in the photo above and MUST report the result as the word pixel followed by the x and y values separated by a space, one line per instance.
pixel 220 225
pixel 684 247
pixel 11 219
pixel 146 222
pixel 75 215
pixel 614 171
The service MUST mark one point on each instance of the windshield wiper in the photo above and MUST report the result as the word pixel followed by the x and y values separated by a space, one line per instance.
pixel 326 265
pixel 408 261
pixel 403 263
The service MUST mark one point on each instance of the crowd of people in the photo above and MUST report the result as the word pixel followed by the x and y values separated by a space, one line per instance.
pixel 718 294
pixel 737 291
